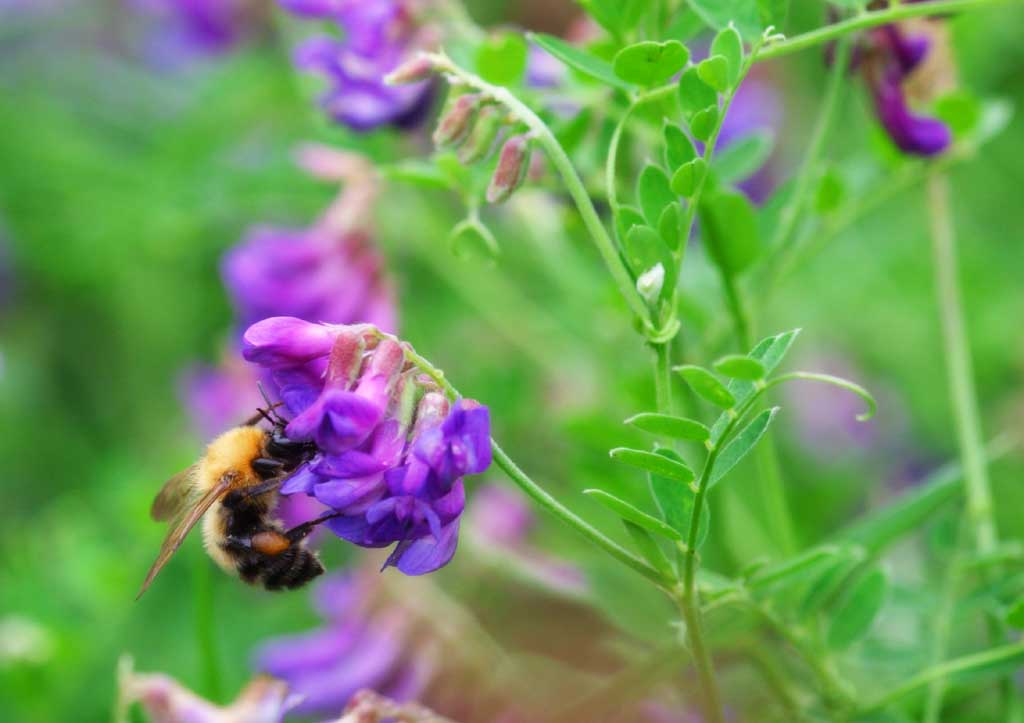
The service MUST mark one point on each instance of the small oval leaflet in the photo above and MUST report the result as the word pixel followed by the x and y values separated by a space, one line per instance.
pixel 649 62
pixel 669 426
pixel 858 610
pixel 729 45
pixel 694 93
pixel 715 72
pixel 678 148
pixel 741 444
pixel 655 463
pixel 706 385
pixel 578 59
pixel 737 366
pixel 704 122
pixel 686 178
pixel 628 512
pixel 653 193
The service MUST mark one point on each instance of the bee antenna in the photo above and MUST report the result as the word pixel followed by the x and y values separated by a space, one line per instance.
pixel 269 413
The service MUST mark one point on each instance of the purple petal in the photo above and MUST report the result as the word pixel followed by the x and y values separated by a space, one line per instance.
pixel 911 133
pixel 428 554
pixel 301 480
pixel 282 341
pixel 350 495
pixel 337 421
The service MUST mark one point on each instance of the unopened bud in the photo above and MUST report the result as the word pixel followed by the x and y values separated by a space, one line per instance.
pixel 458 121
pixel 650 283
pixel 412 71
pixel 511 169
pixel 481 140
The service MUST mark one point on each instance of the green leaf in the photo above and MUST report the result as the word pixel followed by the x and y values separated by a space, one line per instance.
pixel 644 248
pixel 831 191
pixel 1015 615
pixel 741 444
pixel 687 177
pixel 649 549
pixel 857 610
pixel 654 463
pixel 628 512
pixel 715 72
pixel 960 110
pixel 769 351
pixel 650 63
pixel 501 58
pixel 704 122
pixel 678 148
pixel 626 217
pixel 823 587
pixel 738 366
pixel 654 193
pixel 674 500
pixel 578 59
pixel 729 45
pixel 416 172
pixel 670 227
pixel 773 12
pixel 694 94
pixel 743 157
pixel 794 571
pixel 616 16
pixel 669 426
pixel 730 230
pixel 706 385
pixel 745 14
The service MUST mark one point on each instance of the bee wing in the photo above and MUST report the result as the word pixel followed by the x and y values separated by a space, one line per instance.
pixel 174 496
pixel 180 528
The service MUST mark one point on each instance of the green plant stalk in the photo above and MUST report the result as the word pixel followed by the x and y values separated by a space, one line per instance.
pixel 605 246
pixel 782 237
pixel 958 366
pixel 206 638
pixel 979 513
pixel 533 490
pixel 965 664
pixel 663 378
pixel 941 632
pixel 863 21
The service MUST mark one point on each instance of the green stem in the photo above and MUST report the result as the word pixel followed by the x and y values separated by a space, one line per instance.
pixel 611 163
pixel 958 366
pixel 863 21
pixel 537 493
pixel 573 183
pixel 781 239
pixel 740 318
pixel 941 632
pixel 206 639
pixel 663 378
pixel 963 396
pixel 1000 656
pixel 705 669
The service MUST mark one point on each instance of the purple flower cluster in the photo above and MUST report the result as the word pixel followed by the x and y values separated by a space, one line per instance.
pixel 891 56
pixel 377 35
pixel 190 28
pixel 390 464
pixel 310 273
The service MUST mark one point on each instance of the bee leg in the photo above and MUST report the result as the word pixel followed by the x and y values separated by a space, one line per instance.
pixel 267 468
pixel 240 497
pixel 302 531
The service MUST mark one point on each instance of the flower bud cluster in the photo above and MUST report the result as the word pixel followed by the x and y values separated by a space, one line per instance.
pixel 392 449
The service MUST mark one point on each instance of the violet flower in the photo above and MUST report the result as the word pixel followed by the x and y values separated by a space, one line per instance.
pixel 390 465
pixel 190 28
pixel 376 36
pixel 890 56
pixel 365 644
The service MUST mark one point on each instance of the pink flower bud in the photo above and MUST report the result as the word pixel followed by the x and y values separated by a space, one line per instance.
pixel 458 121
pixel 411 71
pixel 511 169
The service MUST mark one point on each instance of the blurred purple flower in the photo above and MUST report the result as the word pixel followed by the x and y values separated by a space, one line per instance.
pixel 185 29
pixel 364 645
pixel 328 272
pixel 376 36
pixel 756 108
pixel 391 469
pixel 889 56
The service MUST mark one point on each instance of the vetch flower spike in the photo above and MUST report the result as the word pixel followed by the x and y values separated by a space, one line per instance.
pixel 392 448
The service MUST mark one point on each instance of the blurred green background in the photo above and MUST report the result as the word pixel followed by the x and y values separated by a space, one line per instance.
pixel 123 184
